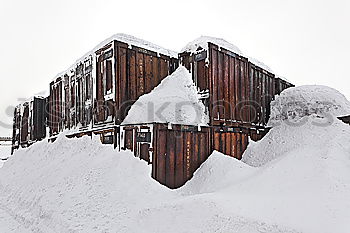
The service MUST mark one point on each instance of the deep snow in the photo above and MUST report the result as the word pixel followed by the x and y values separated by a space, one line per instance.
pixel 79 185
pixel 5 151
pixel 174 100
pixel 296 179
pixel 310 100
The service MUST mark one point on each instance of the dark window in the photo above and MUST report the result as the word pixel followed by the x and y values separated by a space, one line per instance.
pixel 87 87
pixel 109 81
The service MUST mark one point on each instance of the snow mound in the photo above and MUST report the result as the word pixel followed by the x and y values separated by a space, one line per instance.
pixel 216 173
pixel 75 186
pixel 80 185
pixel 174 100
pixel 284 138
pixel 5 152
pixel 310 100
pixel 297 177
pixel 202 43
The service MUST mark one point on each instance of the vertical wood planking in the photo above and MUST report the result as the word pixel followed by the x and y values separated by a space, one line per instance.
pixel 234 145
pixel 226 88
pixel 221 85
pixel 132 74
pixel 155 72
pixel 144 151
pixel 232 87
pixel 140 74
pixel 179 160
pixel 148 73
pixel 170 159
pixel 223 143
pixel 228 144
pixel 164 67
pixel 201 77
pixel 188 154
pixel 239 145
pixel 161 156
pixel 123 89
pixel 155 154
pixel 195 156
pixel 237 90
pixel 214 76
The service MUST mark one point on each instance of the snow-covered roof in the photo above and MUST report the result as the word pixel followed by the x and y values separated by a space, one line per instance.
pixel 260 64
pixel 125 38
pixel 40 95
pixel 174 100
pixel 202 43
pixel 131 40
pixel 310 100
pixel 283 78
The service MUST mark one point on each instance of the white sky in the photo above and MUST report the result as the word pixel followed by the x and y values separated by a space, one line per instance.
pixel 305 41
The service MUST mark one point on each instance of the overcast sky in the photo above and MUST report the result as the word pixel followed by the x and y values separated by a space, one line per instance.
pixel 305 41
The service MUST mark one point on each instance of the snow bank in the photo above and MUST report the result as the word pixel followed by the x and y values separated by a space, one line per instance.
pixel 9 224
pixel 5 152
pixel 76 186
pixel 174 100
pixel 299 179
pixel 79 185
pixel 310 100
pixel 216 173
pixel 296 179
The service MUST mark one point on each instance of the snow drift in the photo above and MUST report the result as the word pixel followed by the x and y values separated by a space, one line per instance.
pixel 296 179
pixel 299 178
pixel 79 185
pixel 174 100
pixel 310 100
pixel 76 186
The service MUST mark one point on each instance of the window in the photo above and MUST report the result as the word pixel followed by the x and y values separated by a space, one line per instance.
pixel 109 81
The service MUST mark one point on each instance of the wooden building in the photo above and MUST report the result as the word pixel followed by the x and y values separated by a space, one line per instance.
pixel 94 95
pixel 29 123
pixel 236 90
pixel 101 87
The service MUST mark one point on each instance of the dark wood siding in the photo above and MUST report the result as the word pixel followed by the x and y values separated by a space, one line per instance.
pixel 240 92
pixel 281 85
pixel 230 141
pixel 56 115
pixel 179 152
pixel 261 94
